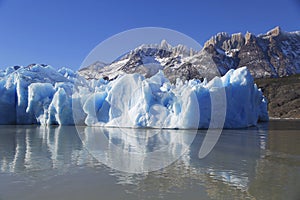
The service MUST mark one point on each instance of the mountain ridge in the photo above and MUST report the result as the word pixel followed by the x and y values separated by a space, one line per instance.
pixel 273 54
pixel 272 59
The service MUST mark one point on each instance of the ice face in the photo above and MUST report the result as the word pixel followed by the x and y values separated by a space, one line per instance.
pixel 42 95
pixel 7 101
pixel 16 106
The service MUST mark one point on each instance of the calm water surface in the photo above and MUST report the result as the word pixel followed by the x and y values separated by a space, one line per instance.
pixel 51 163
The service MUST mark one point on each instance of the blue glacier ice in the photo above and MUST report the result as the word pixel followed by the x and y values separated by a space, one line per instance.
pixel 42 95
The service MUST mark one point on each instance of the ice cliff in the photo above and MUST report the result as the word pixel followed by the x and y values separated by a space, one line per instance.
pixel 42 95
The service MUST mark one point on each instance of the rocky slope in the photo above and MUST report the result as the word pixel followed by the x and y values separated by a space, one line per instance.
pixel 274 54
pixel 283 95
pixel 272 58
pixel 176 62
pixel 268 57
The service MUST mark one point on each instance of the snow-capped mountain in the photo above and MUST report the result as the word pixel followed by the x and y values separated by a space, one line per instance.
pixel 97 66
pixel 176 62
pixel 274 54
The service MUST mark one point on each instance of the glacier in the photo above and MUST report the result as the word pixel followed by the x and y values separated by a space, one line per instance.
pixel 41 94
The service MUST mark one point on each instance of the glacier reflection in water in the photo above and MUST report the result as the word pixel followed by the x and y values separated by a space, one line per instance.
pixel 254 163
pixel 136 150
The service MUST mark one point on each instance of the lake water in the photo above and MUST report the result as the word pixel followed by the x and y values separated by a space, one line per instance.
pixel 53 163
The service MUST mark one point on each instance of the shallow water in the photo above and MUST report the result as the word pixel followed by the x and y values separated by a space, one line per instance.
pixel 54 163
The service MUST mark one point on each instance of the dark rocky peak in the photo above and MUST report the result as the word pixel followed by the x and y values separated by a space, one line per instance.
pixel 249 38
pixel 210 49
pixel 236 41
pixel 274 32
pixel 273 54
pixel 150 51
pixel 162 50
pixel 225 41
pixel 278 34
pixel 16 67
pixel 217 40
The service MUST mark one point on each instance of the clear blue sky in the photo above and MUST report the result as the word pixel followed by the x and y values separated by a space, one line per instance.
pixel 62 33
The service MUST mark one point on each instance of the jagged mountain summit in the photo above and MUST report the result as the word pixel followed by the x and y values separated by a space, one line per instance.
pixel 274 54
pixel 176 62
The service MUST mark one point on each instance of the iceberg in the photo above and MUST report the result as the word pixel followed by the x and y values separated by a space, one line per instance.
pixel 42 95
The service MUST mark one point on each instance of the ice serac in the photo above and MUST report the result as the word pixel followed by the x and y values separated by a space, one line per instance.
pixel 41 95
pixel 7 101
pixel 245 101
pixel 133 101
pixel 60 109
pixel 26 92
